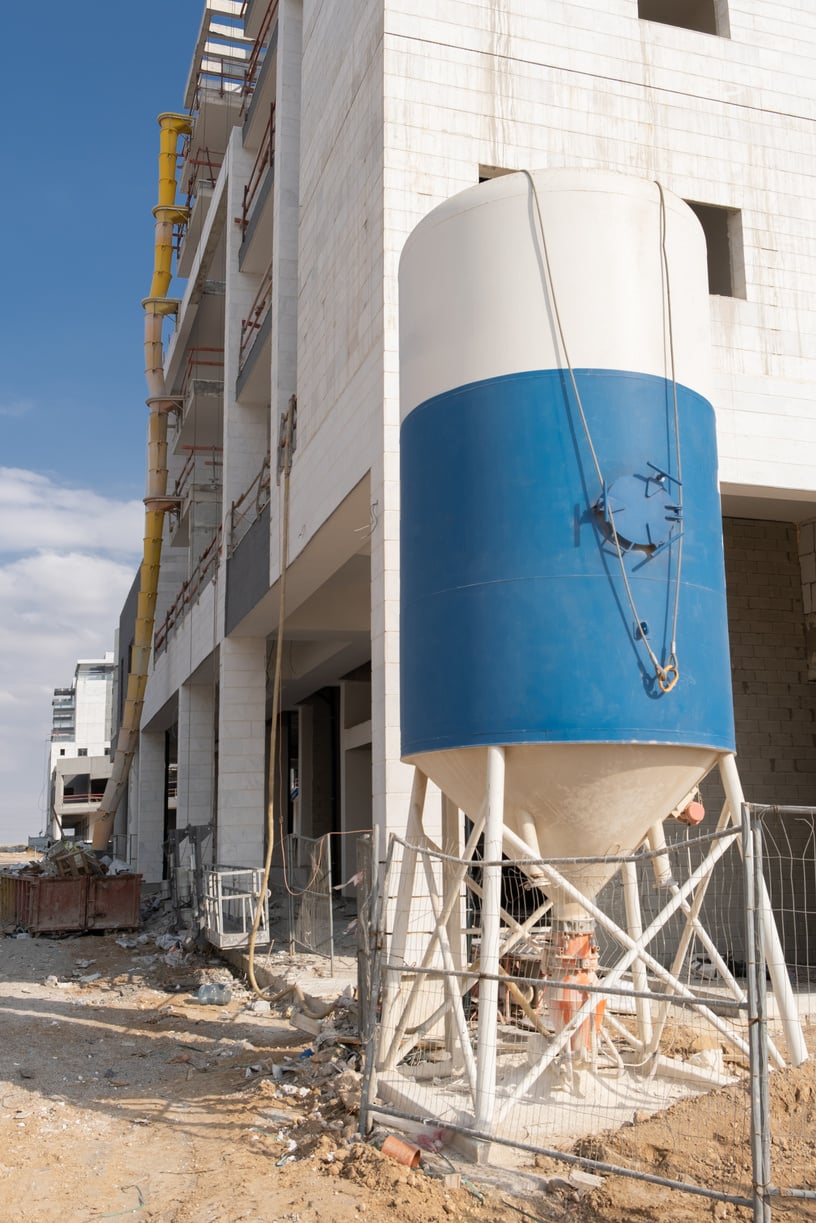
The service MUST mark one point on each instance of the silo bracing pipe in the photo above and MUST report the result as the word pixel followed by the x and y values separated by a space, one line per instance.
pixel 157 306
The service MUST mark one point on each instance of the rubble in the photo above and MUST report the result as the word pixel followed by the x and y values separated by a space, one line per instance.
pixel 286 1098
pixel 69 859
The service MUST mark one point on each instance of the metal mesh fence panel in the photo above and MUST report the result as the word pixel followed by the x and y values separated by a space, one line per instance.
pixel 309 893
pixel 786 883
pixel 607 1038
pixel 189 853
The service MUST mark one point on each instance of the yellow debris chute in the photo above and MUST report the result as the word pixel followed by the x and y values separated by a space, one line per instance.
pixel 167 214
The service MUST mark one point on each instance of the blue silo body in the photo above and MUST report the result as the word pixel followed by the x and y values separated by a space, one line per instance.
pixel 516 627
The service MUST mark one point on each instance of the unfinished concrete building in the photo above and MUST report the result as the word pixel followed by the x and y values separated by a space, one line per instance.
pixel 79 758
pixel 319 136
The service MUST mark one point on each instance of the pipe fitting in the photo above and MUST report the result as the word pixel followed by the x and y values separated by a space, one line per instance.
pixel 161 306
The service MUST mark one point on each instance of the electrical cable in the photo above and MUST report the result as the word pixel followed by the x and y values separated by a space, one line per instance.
pixel 276 693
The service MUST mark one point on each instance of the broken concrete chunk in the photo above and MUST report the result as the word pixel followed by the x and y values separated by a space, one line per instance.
pixel 305 1023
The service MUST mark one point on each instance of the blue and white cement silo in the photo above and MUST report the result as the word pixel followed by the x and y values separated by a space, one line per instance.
pixel 562 577
pixel 565 676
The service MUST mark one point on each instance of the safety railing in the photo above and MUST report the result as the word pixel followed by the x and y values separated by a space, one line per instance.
pixel 251 325
pixel 200 170
pixel 232 898
pixel 204 167
pixel 202 362
pixel 263 160
pixel 247 508
pixel 258 52
pixel 190 591
pixel 219 74
pixel 203 465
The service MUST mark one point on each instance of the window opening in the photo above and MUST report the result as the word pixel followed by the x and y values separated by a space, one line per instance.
pixel 488 172
pixel 723 234
pixel 705 16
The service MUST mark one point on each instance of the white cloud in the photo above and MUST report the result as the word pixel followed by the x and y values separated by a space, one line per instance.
pixel 36 512
pixel 70 559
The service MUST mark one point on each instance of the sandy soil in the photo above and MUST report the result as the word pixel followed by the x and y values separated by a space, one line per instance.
pixel 123 1097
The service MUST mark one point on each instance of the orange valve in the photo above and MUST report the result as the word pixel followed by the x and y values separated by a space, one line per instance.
pixel 571 961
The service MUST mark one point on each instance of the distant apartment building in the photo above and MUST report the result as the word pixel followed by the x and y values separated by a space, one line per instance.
pixel 79 761
pixel 321 135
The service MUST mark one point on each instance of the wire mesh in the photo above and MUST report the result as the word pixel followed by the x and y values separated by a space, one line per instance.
pixel 309 892
pixel 610 1036
pixel 189 852
pixel 788 862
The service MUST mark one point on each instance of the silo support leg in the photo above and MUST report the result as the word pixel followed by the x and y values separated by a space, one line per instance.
pixel 640 977
pixel 491 935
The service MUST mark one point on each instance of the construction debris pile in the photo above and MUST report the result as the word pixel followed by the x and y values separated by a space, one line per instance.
pixel 68 860
pixel 69 889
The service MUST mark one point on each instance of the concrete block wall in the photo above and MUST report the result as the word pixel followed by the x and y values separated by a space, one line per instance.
pixel 190 643
pixel 807 563
pixel 345 297
pixel 284 253
pixel 775 716
pixel 246 426
pixel 340 258
pixel 722 121
pixel 286 205
pixel 196 747
pixel 239 839
pixel 774 702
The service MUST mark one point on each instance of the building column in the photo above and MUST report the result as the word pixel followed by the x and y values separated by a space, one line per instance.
pixel 196 750
pixel 146 802
pixel 241 752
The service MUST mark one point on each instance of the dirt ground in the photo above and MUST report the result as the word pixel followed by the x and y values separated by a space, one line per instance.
pixel 123 1096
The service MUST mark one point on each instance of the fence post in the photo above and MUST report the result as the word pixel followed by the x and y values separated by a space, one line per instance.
pixel 376 950
pixel 367 863
pixel 291 851
pixel 755 916
pixel 331 901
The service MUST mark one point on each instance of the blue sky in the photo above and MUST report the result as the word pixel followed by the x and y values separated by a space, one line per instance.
pixel 80 89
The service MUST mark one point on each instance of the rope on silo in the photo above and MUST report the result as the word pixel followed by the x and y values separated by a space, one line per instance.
pixel 668 673
pixel 665 258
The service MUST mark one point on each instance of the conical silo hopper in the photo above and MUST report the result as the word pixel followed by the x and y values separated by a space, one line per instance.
pixel 562 583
